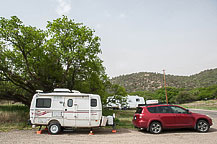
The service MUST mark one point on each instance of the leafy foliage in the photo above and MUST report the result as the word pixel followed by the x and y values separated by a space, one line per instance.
pixel 118 93
pixel 180 95
pixel 64 55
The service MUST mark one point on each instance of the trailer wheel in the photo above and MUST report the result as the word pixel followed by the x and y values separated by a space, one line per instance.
pixel 54 128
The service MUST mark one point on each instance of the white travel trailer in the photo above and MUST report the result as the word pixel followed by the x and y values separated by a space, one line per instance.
pixel 128 102
pixel 113 103
pixel 134 101
pixel 65 108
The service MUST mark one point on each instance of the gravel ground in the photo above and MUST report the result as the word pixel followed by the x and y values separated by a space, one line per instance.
pixel 104 135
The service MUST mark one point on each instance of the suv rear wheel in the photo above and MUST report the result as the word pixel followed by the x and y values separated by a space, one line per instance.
pixel 202 126
pixel 155 128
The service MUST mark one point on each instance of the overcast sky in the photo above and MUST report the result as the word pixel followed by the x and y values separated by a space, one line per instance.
pixel 179 36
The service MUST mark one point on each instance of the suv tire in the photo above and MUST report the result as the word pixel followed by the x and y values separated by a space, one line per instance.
pixel 155 128
pixel 202 126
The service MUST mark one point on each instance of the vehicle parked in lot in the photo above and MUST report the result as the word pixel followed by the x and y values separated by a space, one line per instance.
pixel 155 118
pixel 63 108
pixel 128 102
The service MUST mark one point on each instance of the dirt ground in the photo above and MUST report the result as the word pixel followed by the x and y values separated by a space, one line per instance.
pixel 104 136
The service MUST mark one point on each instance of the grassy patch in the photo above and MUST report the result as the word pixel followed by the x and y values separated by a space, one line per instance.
pixel 16 116
pixel 14 126
pixel 208 105
pixel 123 117
pixel 13 117
pixel 14 108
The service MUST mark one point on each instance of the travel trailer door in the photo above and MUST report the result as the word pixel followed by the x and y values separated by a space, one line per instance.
pixel 69 112
pixel 83 111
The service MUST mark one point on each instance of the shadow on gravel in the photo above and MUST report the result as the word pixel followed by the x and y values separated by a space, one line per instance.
pixel 96 131
pixel 180 131
pixel 212 130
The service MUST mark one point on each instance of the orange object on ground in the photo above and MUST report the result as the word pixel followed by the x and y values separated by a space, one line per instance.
pixel 39 132
pixel 114 131
pixel 91 133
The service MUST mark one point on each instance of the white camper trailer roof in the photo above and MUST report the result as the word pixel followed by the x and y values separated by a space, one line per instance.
pixel 63 92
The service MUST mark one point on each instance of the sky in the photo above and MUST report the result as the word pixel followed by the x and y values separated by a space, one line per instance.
pixel 179 36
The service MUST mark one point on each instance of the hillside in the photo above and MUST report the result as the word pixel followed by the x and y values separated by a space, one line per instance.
pixel 151 81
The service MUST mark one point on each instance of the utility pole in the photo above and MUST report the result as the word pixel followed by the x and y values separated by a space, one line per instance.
pixel 165 86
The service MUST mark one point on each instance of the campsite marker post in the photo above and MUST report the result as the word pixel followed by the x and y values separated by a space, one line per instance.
pixel 165 86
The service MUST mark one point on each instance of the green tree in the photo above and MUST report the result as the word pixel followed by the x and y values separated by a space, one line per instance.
pixel 184 96
pixel 148 95
pixel 119 93
pixel 172 92
pixel 64 55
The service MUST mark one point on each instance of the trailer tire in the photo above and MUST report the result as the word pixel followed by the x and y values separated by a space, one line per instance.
pixel 54 128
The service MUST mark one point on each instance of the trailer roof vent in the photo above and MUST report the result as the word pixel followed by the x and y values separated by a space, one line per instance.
pixel 63 90
pixel 75 91
pixel 39 91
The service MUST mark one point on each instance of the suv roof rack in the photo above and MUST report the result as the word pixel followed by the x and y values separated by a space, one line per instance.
pixel 140 105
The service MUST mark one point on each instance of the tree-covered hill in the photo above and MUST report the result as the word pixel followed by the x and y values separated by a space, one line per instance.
pixel 149 81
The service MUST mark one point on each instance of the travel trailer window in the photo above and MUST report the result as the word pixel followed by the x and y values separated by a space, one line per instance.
pixel 137 100
pixel 43 103
pixel 70 103
pixel 93 102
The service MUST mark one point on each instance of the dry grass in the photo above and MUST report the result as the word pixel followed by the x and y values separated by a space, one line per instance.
pixel 123 118
pixel 209 104
pixel 13 117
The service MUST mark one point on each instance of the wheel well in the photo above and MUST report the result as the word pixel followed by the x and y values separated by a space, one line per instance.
pixel 203 119
pixel 53 121
pixel 152 122
pixel 155 121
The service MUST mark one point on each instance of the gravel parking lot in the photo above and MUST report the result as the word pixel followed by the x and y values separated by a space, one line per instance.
pixel 104 135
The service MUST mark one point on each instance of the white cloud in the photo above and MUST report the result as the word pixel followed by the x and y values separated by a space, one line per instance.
pixel 122 15
pixel 64 7
pixel 107 14
pixel 98 26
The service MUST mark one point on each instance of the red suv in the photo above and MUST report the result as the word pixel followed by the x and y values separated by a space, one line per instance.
pixel 154 118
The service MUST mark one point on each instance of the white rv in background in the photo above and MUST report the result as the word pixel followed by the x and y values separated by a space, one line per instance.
pixel 128 102
pixel 113 103
pixel 134 101
pixel 64 108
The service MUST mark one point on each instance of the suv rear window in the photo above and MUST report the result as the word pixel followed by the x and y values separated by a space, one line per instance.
pixel 139 110
pixel 152 109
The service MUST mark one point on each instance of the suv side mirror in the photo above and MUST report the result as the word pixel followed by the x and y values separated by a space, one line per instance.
pixel 188 112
